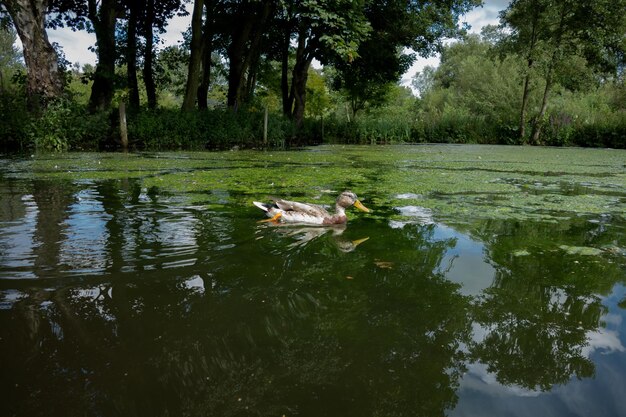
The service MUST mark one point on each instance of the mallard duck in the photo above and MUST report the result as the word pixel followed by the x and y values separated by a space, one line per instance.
pixel 293 212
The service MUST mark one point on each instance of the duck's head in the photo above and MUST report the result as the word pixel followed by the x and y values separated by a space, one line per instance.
pixel 348 198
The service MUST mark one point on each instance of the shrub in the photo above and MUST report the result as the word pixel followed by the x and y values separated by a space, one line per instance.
pixel 213 129
pixel 65 125
pixel 14 121
pixel 609 131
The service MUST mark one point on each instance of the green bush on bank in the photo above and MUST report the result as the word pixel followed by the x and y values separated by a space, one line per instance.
pixel 455 125
pixel 14 121
pixel 66 125
pixel 63 125
pixel 609 132
pixel 207 129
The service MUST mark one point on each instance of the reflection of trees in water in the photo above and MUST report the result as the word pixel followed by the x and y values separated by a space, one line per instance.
pixel 118 198
pixel 18 217
pixel 249 338
pixel 53 199
pixel 259 326
pixel 543 302
pixel 12 206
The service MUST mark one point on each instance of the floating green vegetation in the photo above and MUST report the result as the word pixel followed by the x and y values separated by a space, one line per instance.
pixel 453 181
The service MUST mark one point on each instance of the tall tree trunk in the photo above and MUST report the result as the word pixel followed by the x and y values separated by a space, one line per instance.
pixel 207 51
pixel 131 56
pixel 284 76
pixel 254 53
pixel 525 95
pixel 44 81
pixel 193 72
pixel 148 74
pixel 236 59
pixel 300 75
pixel 103 20
pixel 245 46
pixel 253 66
pixel 298 88
pixel 530 60
pixel 538 125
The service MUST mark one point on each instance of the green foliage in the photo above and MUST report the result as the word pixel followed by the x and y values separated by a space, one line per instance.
pixel 318 96
pixel 14 120
pixel 474 97
pixel 65 125
pixel 339 26
pixel 563 41
pixel 213 129
pixel 456 125
pixel 171 70
pixel 399 27
pixel 10 56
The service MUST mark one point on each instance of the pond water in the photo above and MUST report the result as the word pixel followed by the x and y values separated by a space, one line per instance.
pixel 487 281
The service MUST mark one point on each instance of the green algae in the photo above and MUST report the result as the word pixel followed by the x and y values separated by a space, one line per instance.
pixel 454 181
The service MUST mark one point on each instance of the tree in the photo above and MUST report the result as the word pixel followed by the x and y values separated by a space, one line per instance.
pixel 319 99
pixel 399 27
pixel 133 17
pixel 195 60
pixel 330 32
pixel 103 19
pixel 99 16
pixel 473 86
pixel 171 70
pixel 209 32
pixel 424 81
pixel 148 33
pixel 248 22
pixel 44 80
pixel 9 54
pixel 549 33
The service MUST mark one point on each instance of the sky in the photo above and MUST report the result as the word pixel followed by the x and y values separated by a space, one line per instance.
pixel 76 44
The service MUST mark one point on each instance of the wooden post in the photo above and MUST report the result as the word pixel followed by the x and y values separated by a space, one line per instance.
pixel 123 127
pixel 265 127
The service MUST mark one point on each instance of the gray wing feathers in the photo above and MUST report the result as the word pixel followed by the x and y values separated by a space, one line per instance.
pixel 310 209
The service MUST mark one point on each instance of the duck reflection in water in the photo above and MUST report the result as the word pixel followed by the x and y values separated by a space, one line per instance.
pixel 304 235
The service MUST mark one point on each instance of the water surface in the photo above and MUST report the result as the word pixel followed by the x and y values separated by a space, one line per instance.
pixel 491 282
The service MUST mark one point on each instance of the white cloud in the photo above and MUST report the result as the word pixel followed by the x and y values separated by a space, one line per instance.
pixel 418 66
pixel 75 45
pixel 605 341
pixel 175 28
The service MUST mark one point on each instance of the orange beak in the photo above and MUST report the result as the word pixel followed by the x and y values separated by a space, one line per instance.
pixel 361 207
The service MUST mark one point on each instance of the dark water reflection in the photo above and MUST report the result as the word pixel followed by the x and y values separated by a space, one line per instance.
pixel 118 300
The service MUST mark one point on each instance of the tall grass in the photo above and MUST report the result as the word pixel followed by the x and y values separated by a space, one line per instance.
pixel 209 129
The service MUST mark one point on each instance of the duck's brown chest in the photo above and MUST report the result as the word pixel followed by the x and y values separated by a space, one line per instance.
pixel 336 219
